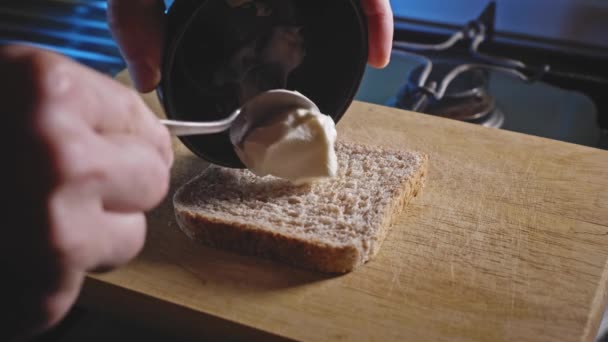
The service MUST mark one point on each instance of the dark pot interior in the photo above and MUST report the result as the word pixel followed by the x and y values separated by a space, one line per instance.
pixel 201 81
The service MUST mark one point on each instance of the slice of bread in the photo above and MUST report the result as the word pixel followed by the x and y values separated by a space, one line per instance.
pixel 330 226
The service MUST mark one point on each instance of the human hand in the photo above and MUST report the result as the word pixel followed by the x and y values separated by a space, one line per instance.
pixel 380 26
pixel 86 159
pixel 139 28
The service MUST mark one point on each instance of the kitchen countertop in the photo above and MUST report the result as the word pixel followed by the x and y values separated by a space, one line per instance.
pixel 508 241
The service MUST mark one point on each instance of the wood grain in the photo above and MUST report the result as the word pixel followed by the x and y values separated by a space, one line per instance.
pixel 508 242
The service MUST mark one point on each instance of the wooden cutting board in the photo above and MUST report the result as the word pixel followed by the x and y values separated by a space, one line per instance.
pixel 509 241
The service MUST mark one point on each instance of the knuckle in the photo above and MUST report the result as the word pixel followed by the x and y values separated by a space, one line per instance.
pixel 68 249
pixel 67 234
pixel 132 108
pixel 130 98
pixel 158 182
pixel 71 158
pixel 149 174
pixel 70 149
pixel 166 144
pixel 125 246
pixel 136 242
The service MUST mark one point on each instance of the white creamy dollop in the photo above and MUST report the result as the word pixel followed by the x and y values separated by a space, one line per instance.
pixel 297 145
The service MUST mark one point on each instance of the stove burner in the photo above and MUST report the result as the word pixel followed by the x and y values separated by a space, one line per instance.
pixel 479 109
pixel 465 99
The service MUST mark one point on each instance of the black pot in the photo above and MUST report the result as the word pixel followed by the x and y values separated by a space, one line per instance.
pixel 217 56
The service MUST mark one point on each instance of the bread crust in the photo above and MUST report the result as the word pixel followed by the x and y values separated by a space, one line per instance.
pixel 254 240
pixel 410 189
pixel 250 240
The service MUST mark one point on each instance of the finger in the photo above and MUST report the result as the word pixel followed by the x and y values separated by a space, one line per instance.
pixel 139 29
pixel 69 94
pixel 104 105
pixel 56 305
pixel 136 178
pixel 122 238
pixel 84 236
pixel 137 119
pixel 134 117
pixel 121 111
pixel 380 25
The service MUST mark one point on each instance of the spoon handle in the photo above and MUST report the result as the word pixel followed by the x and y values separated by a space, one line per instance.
pixel 184 128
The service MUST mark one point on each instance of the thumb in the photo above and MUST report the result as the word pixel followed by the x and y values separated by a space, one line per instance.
pixel 138 26
pixel 380 20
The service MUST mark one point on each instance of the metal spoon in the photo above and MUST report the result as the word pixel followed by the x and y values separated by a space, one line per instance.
pixel 255 112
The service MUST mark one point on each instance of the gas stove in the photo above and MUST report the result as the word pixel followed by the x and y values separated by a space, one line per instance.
pixel 472 73
pixel 468 72
pixel 432 88
pixel 75 28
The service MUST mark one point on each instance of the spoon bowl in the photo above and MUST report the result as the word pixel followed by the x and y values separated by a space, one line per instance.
pixel 258 110
pixel 264 108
